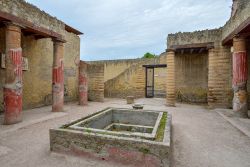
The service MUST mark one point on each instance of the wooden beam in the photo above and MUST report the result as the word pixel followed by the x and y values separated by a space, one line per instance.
pixel 201 50
pixel 191 51
pixel 193 46
pixel 182 51
pixel 73 30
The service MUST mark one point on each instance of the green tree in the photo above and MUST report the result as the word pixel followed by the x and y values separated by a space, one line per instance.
pixel 149 55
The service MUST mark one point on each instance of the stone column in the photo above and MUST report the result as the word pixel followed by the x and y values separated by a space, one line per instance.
pixel 83 84
pixel 13 79
pixel 58 77
pixel 240 77
pixel 170 87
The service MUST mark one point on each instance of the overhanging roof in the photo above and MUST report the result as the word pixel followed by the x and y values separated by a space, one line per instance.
pixel 243 30
pixel 32 29
pixel 29 27
pixel 73 30
pixel 192 46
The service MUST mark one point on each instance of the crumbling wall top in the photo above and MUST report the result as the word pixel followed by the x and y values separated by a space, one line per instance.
pixel 204 36
pixel 240 13
pixel 31 13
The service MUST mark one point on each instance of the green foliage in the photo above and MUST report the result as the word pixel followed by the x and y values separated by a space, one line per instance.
pixel 149 55
pixel 161 128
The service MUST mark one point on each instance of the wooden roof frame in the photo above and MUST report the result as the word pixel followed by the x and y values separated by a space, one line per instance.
pixel 73 30
pixel 206 45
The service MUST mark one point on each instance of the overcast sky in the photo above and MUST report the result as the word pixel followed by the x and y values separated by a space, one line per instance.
pixel 123 29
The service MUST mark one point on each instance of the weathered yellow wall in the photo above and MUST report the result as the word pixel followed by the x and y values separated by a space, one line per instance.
pixel 160 78
pixel 132 80
pixel 96 82
pixel 220 77
pixel 119 66
pixel 71 70
pixel 160 82
pixel 38 80
pixel 191 77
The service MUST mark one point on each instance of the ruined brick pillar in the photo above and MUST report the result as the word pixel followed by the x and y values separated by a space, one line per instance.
pixel 83 84
pixel 140 83
pixel 240 77
pixel 212 77
pixel 170 87
pixel 13 80
pixel 58 77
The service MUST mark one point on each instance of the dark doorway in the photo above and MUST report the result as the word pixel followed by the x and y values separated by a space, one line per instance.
pixel 149 82
pixel 149 89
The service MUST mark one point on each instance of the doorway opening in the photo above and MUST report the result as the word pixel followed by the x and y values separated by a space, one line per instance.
pixel 150 81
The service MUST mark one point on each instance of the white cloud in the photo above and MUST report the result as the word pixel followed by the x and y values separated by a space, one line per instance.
pixel 129 28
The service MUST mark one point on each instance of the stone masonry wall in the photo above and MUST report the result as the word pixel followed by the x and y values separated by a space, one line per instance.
pixel 118 65
pixel 131 81
pixel 242 14
pixel 29 12
pixel 220 77
pixel 184 38
pixel 96 82
pixel 191 72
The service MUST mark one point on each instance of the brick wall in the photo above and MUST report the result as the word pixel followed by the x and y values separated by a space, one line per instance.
pixel 132 80
pixel 220 77
pixel 119 66
pixel 96 82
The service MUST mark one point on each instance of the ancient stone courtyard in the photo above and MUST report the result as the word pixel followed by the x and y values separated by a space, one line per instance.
pixel 201 137
pixel 187 106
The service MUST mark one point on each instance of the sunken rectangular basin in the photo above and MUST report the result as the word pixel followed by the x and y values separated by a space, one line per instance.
pixel 132 137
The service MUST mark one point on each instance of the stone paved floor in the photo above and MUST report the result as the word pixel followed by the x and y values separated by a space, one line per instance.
pixel 201 138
